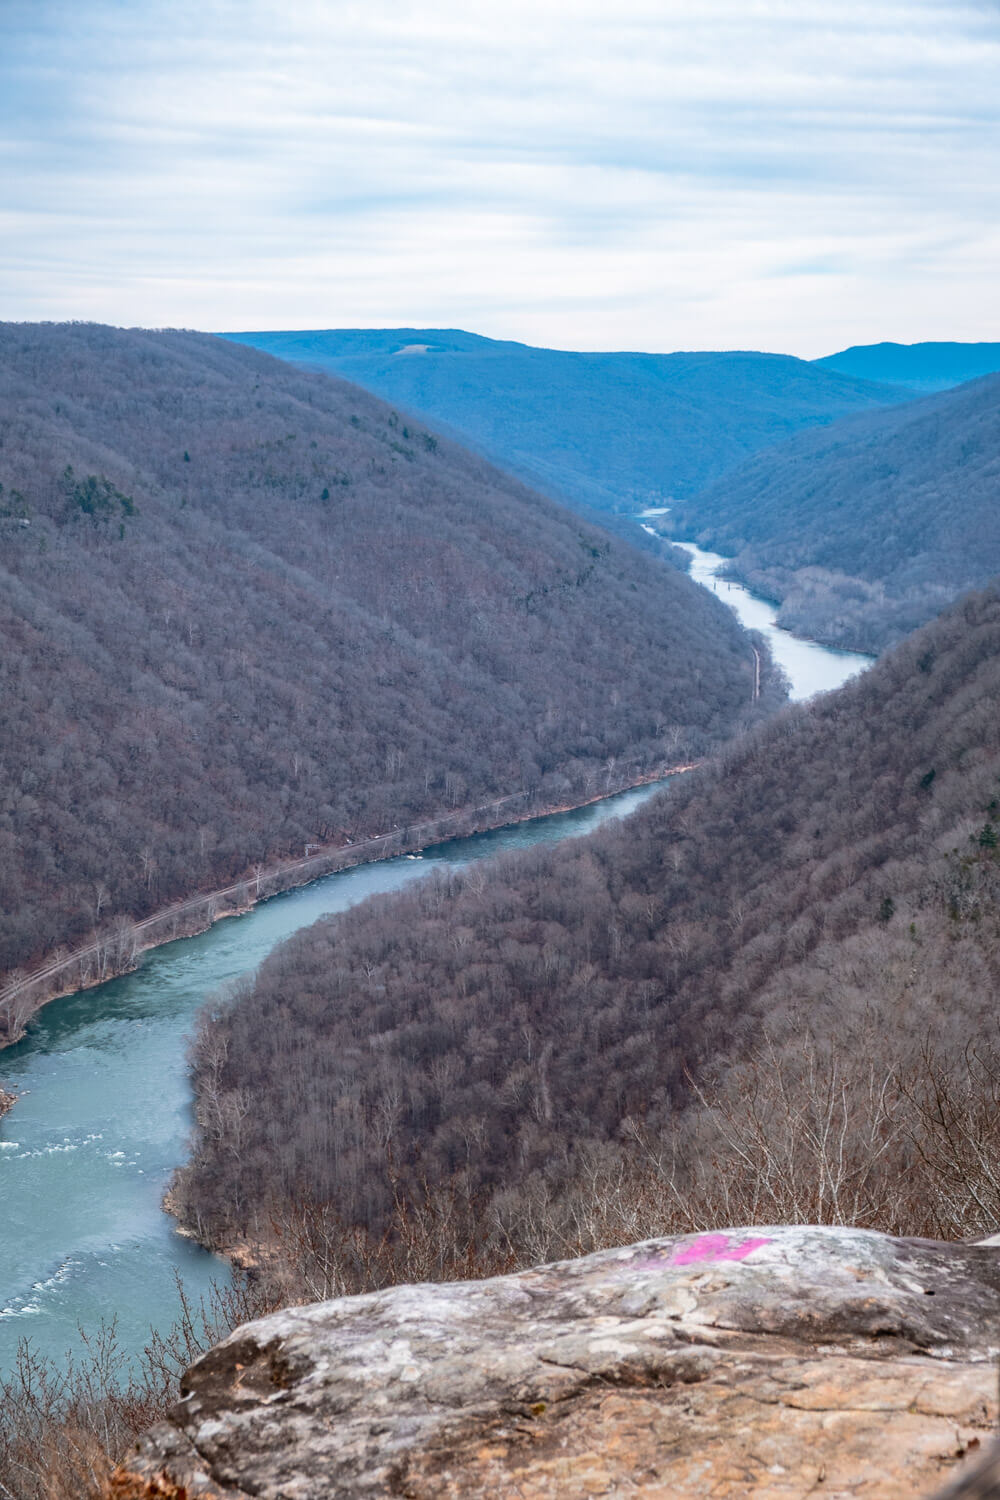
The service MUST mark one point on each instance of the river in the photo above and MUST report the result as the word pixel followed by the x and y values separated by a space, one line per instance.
pixel 105 1109
pixel 809 667
pixel 87 1151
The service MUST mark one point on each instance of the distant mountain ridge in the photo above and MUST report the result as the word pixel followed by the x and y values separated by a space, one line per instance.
pixel 868 528
pixel 606 431
pixel 921 367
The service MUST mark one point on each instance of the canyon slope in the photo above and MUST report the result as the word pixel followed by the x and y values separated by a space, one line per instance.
pixel 868 528
pixel 246 609
pixel 608 431
pixel 794 951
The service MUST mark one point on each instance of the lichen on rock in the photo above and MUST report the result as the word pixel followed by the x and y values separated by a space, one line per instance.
pixel 757 1363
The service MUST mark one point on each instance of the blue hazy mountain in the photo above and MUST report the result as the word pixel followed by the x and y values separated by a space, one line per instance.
pixel 868 528
pixel 607 431
pixel 920 367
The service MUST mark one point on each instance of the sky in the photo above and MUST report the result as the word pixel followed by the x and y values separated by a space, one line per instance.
pixel 796 175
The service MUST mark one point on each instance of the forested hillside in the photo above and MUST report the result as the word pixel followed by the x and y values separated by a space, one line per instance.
pixel 920 367
pixel 609 431
pixel 870 527
pixel 245 608
pixel 813 920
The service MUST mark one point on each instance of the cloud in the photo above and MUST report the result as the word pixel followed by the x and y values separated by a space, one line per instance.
pixel 763 174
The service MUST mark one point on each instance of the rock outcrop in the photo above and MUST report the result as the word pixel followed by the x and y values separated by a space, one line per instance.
pixel 7 1102
pixel 778 1362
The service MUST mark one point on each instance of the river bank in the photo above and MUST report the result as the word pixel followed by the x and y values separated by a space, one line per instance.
pixel 809 666
pixel 801 657
pixel 120 949
pixel 104 1106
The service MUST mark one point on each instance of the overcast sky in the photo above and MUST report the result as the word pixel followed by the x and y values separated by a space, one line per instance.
pixel 776 174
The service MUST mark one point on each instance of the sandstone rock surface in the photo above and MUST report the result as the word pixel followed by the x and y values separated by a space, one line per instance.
pixel 778 1362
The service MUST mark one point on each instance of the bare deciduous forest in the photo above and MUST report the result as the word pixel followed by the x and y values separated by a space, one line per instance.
pixel 771 993
pixel 245 609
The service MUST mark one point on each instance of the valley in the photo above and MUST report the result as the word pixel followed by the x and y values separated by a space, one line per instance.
pixel 85 1137
pixel 788 920
pixel 464 1055
pixel 869 528
pixel 248 611
pixel 856 490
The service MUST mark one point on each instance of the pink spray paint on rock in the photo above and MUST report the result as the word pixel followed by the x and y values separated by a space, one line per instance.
pixel 714 1247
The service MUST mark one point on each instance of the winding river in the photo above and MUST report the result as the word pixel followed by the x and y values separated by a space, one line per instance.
pixel 105 1107
pixel 87 1151
pixel 809 667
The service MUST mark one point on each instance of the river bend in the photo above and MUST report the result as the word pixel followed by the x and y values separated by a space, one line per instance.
pixel 105 1109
